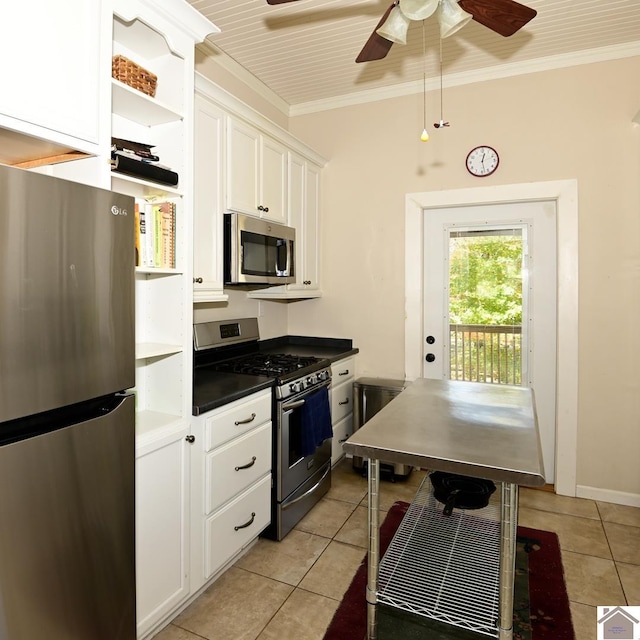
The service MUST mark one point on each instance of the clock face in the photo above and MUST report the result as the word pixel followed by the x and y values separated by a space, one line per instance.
pixel 482 161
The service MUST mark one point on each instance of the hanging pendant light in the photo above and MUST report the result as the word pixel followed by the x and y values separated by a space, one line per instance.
pixel 451 17
pixel 419 9
pixel 395 27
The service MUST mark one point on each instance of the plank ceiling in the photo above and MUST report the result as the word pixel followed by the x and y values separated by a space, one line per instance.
pixel 304 51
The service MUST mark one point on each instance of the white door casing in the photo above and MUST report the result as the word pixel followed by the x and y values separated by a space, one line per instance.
pixel 536 221
pixel 565 195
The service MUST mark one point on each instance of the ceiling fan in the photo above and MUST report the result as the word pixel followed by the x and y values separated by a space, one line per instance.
pixel 505 17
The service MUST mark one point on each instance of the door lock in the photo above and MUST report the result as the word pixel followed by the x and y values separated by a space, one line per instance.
pixel 430 339
pixel 430 357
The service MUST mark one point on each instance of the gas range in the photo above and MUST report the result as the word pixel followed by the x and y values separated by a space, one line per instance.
pixel 301 413
pixel 231 346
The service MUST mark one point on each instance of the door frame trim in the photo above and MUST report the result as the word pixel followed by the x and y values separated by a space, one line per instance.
pixel 565 195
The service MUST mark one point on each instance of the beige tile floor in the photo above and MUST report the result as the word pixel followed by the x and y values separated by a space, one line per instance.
pixel 290 590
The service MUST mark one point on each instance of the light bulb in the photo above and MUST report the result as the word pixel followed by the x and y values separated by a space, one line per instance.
pixel 425 136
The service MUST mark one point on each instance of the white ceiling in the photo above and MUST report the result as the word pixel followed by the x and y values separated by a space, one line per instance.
pixel 305 51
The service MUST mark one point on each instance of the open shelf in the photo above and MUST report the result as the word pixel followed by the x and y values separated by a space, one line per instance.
pixel 445 567
pixel 135 105
pixel 147 350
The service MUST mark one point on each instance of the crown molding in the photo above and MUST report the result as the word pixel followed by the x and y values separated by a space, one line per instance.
pixel 590 56
pixel 208 89
pixel 497 72
pixel 229 64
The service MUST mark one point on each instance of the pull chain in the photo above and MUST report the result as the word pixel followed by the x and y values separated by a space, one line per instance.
pixel 442 123
pixel 425 135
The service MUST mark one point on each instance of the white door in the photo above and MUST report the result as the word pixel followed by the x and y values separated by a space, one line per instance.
pixel 489 351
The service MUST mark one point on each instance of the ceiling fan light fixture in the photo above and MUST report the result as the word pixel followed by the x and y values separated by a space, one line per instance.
pixel 395 27
pixel 452 17
pixel 419 9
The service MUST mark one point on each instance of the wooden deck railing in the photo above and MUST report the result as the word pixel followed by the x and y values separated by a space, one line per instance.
pixel 486 353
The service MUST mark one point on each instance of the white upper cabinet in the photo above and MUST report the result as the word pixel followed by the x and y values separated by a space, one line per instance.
pixel 304 215
pixel 263 171
pixel 51 74
pixel 256 169
pixel 209 201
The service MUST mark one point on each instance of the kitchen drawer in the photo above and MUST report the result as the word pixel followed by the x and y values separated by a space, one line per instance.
pixel 343 370
pixel 237 465
pixel 341 401
pixel 237 418
pixel 236 525
pixel 341 431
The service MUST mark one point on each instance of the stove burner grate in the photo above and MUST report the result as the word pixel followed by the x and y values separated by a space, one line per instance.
pixel 263 364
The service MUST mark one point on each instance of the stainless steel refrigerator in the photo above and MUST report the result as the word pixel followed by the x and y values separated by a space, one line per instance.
pixel 67 454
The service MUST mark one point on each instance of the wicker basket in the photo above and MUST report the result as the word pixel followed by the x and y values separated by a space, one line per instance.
pixel 134 75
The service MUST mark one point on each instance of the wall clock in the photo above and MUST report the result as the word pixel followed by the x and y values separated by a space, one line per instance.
pixel 482 161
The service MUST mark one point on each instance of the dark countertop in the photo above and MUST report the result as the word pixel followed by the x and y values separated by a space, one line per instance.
pixel 212 389
pixel 332 349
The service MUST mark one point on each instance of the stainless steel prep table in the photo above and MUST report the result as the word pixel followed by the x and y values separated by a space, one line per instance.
pixel 473 429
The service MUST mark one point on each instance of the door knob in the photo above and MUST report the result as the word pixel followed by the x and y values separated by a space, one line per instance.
pixel 430 357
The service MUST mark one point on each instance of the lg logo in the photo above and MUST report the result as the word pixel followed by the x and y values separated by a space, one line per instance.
pixel 117 211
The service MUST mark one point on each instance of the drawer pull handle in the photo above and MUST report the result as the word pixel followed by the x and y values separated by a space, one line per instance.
pixel 248 465
pixel 345 438
pixel 344 402
pixel 246 524
pixel 247 421
pixel 343 373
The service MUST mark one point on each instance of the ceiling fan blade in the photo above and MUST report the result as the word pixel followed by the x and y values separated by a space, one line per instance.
pixel 502 16
pixel 376 47
pixel 280 1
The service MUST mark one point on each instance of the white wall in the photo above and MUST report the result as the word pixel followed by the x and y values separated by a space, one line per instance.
pixel 572 123
pixel 563 124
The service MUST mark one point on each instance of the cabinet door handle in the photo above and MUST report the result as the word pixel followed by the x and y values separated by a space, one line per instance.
pixel 261 208
pixel 246 524
pixel 306 282
pixel 343 373
pixel 344 401
pixel 247 421
pixel 248 465
pixel 198 280
pixel 190 439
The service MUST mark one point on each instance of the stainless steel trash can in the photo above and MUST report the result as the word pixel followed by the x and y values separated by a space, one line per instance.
pixel 369 396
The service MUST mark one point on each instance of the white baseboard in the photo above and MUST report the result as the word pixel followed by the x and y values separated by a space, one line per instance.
pixel 608 495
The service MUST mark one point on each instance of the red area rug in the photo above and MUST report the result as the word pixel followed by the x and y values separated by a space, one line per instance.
pixel 541 604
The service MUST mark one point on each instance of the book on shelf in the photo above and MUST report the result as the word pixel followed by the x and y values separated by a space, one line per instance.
pixel 138 232
pixel 157 231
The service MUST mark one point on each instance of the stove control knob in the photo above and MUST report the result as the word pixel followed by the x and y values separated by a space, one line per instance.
pixel 292 387
pixel 310 380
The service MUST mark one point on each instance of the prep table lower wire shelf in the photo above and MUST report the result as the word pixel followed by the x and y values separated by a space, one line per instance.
pixel 446 568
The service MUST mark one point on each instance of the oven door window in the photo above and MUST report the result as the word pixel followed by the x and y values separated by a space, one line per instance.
pixel 264 255
pixel 293 452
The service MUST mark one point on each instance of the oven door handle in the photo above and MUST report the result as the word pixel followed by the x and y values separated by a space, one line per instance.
pixel 308 492
pixel 294 405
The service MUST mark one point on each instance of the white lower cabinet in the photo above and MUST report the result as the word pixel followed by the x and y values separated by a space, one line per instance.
pixel 342 376
pixel 230 483
pixel 233 527
pixel 342 430
pixel 162 525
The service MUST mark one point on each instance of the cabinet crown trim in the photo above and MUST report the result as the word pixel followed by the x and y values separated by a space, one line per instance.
pixel 214 92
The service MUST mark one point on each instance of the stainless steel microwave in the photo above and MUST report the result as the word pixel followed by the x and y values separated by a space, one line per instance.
pixel 257 251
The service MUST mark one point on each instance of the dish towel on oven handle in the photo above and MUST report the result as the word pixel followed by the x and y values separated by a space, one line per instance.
pixel 316 418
